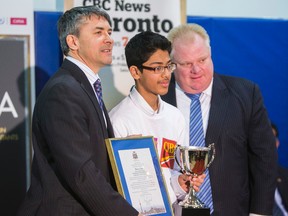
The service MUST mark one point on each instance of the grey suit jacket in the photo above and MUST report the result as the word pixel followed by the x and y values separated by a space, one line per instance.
pixel 243 174
pixel 71 172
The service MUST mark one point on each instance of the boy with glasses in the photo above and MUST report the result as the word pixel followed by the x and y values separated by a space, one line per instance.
pixel 143 112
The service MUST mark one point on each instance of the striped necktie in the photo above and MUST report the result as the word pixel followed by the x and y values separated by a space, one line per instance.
pixel 277 211
pixel 98 90
pixel 196 138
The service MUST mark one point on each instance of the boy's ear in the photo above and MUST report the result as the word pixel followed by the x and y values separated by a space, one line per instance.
pixel 135 72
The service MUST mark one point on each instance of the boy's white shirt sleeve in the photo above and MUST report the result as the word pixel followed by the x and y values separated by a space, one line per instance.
pixel 179 192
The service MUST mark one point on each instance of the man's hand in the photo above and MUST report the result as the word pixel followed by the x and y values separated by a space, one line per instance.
pixel 185 181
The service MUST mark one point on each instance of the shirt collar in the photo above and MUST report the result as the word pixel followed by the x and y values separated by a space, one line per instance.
pixel 140 102
pixel 207 91
pixel 91 76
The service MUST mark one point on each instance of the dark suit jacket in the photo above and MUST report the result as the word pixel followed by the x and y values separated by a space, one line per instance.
pixel 71 172
pixel 282 185
pixel 243 174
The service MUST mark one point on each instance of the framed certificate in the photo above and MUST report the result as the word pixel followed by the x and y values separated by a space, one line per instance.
pixel 138 174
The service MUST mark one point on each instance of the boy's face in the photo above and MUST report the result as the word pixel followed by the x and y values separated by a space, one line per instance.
pixel 148 83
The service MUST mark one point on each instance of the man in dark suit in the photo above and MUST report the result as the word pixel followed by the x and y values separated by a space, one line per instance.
pixel 71 171
pixel 281 193
pixel 243 174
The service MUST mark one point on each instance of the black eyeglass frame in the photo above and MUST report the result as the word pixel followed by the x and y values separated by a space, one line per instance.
pixel 160 69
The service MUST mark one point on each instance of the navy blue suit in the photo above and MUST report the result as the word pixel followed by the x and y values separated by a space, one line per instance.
pixel 243 174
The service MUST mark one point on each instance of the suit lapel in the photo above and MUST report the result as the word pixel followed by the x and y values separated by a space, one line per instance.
pixel 92 97
pixel 170 97
pixel 78 74
pixel 109 125
pixel 218 110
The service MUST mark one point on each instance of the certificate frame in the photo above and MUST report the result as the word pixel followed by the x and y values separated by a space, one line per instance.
pixel 138 174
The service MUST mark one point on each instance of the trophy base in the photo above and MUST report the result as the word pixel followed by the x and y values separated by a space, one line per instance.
pixel 195 211
pixel 188 211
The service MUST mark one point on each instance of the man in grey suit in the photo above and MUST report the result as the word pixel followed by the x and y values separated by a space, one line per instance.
pixel 243 174
pixel 71 171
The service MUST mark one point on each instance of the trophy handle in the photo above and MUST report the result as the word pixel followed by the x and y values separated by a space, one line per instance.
pixel 211 148
pixel 178 163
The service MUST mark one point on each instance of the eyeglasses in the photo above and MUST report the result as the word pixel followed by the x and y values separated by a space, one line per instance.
pixel 160 69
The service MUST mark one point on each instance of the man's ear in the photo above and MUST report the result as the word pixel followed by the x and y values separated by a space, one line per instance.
pixel 135 72
pixel 72 42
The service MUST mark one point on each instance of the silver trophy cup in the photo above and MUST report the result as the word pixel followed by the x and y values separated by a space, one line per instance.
pixel 194 161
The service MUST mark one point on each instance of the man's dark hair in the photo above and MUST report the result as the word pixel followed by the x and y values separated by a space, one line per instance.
pixel 71 21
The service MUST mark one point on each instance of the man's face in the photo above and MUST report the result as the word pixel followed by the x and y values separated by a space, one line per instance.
pixel 150 84
pixel 194 70
pixel 94 43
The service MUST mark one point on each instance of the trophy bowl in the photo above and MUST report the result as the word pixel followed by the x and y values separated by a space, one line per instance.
pixel 194 161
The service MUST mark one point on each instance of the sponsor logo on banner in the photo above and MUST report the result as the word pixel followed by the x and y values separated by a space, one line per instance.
pixel 18 21
pixel 157 19
pixel 167 153
pixel 6 105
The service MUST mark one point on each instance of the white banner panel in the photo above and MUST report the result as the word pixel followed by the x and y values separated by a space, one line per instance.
pixel 130 17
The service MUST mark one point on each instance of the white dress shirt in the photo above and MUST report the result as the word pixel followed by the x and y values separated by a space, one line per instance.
pixel 183 104
pixel 91 76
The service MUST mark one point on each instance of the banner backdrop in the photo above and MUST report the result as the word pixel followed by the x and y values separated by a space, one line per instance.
pixel 130 17
pixel 16 72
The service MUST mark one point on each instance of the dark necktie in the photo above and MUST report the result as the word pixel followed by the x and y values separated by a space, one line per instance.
pixel 196 138
pixel 98 90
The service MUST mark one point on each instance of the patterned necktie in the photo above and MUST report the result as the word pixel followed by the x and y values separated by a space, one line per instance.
pixel 98 90
pixel 196 138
